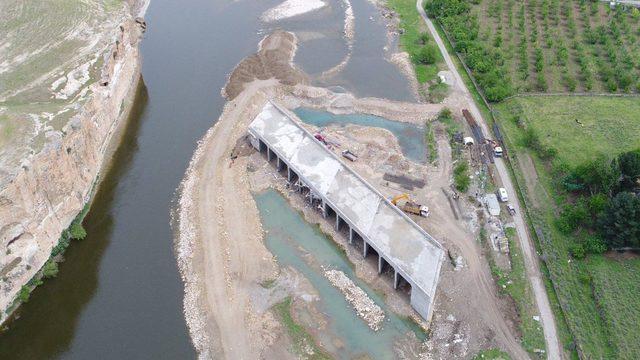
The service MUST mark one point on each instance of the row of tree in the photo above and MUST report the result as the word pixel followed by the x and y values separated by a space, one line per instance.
pixel 484 62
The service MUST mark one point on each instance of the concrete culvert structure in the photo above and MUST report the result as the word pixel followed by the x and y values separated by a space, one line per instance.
pixel 324 178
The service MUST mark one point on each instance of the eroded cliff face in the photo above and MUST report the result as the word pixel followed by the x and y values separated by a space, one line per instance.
pixel 53 186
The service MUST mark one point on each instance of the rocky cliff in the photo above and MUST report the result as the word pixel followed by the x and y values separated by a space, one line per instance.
pixel 40 199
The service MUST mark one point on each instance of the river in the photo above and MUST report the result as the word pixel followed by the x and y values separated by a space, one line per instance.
pixel 118 294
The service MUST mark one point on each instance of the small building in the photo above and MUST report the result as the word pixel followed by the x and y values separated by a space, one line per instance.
pixel 491 200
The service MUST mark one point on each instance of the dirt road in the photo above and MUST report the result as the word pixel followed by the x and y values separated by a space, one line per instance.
pixel 526 243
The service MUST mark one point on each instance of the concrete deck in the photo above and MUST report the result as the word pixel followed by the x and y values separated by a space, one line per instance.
pixel 413 253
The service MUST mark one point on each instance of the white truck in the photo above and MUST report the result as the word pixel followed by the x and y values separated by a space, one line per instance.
pixel 502 194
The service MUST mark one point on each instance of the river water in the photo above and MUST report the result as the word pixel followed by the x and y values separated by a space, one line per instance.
pixel 118 294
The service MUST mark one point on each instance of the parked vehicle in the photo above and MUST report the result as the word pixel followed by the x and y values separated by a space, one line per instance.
pixel 349 155
pixel 502 195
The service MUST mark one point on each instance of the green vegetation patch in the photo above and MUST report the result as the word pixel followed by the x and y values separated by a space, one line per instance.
pixel 416 41
pixel 432 146
pixel 546 45
pixel 588 289
pixel 616 286
pixel 579 128
pixel 492 354
pixel 303 342
pixel 519 288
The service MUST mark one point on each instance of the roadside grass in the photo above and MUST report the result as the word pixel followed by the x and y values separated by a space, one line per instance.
pixel 519 288
pixel 588 291
pixel 410 41
pixel 492 354
pixel 438 92
pixel 616 286
pixel 303 342
pixel 432 146
pixel 515 284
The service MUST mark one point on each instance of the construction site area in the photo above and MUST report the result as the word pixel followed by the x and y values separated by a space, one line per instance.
pixel 407 242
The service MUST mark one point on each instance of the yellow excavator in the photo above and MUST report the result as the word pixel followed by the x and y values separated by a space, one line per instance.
pixel 410 206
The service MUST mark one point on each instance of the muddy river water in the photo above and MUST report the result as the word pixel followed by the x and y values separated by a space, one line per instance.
pixel 118 294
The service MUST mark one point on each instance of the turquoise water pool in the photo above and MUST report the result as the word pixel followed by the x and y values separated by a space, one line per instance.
pixel 411 137
pixel 289 237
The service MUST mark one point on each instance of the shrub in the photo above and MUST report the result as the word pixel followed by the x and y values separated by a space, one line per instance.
pixel 594 244
pixel 426 55
pixel 423 38
pixel 50 269
pixel 573 216
pixel 77 232
pixel 541 83
pixel 570 82
pixel 461 178
pixel 612 85
pixel 597 204
pixel 24 293
pixel 619 223
pixel 577 251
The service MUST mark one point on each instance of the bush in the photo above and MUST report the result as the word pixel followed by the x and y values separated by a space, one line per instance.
pixel 77 232
pixel 577 251
pixel 426 55
pixel 597 204
pixel 461 178
pixel 573 216
pixel 24 294
pixel 423 38
pixel 619 223
pixel 594 245
pixel 50 269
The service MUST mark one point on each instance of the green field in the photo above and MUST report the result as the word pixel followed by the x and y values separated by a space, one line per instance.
pixel 578 127
pixel 617 287
pixel 598 295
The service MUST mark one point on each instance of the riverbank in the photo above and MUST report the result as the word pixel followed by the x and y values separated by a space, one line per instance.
pixel 53 186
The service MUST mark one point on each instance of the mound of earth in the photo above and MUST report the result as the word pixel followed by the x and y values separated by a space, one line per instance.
pixel 274 59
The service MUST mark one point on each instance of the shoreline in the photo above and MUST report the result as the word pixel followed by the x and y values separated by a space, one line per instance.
pixel 94 135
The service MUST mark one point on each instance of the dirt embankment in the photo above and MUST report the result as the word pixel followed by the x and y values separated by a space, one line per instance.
pixel 223 259
pixel 53 186
pixel 274 60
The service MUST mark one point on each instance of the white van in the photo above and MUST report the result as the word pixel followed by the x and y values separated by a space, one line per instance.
pixel 502 195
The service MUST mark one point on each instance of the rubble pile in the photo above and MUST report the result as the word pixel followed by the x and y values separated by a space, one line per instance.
pixel 365 307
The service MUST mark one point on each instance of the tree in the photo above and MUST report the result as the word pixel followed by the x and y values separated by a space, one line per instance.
pixel 620 222
pixel 426 55
pixel 50 269
pixel 77 231
pixel 629 164
pixel 600 175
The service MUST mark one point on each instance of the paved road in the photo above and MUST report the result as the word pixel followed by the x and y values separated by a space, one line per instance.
pixel 526 243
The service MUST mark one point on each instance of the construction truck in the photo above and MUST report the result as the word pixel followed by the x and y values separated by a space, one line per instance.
pixel 410 206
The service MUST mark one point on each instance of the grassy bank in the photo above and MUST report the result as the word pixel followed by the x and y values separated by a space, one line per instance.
pixel 414 38
pixel 303 343
pixel 596 294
